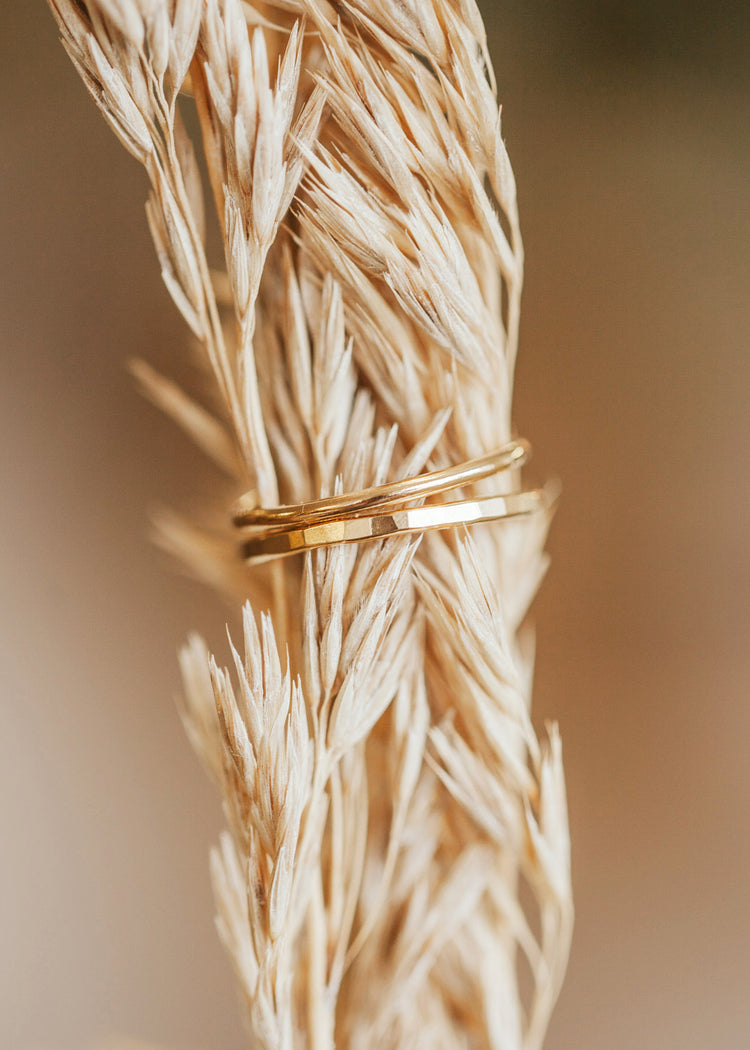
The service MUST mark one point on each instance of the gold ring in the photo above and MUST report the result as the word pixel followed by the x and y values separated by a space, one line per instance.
pixel 514 454
pixel 278 543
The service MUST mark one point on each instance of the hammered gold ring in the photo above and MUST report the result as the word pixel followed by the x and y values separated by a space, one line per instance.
pixel 278 543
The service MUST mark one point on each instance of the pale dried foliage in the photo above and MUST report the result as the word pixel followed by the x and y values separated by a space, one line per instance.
pixel 386 796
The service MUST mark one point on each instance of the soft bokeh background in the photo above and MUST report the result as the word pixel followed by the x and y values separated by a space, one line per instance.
pixel 628 129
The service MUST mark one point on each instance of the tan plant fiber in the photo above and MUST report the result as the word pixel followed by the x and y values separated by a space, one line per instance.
pixel 395 872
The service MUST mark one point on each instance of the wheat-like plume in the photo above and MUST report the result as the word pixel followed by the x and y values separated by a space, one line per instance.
pixel 385 793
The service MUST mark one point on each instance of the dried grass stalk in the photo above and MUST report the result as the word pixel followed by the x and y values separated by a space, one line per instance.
pixel 384 789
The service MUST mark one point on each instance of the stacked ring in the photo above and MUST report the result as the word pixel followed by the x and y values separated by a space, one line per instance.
pixel 380 511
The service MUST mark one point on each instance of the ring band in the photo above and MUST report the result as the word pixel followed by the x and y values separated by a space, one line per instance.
pixel 279 543
pixel 246 512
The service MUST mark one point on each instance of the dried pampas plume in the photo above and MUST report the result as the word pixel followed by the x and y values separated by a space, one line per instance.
pixel 386 796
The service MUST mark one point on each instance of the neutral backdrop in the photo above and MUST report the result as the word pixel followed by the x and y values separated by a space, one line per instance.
pixel 628 129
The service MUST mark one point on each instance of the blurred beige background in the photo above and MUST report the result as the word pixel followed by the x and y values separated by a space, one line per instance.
pixel 629 133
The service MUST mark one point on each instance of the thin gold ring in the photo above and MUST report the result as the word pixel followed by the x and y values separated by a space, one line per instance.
pixel 279 543
pixel 352 504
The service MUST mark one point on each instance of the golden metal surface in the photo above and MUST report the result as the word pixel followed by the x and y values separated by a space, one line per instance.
pixel 278 543
pixel 378 497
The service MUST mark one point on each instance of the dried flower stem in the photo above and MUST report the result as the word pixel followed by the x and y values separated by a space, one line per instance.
pixel 384 790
